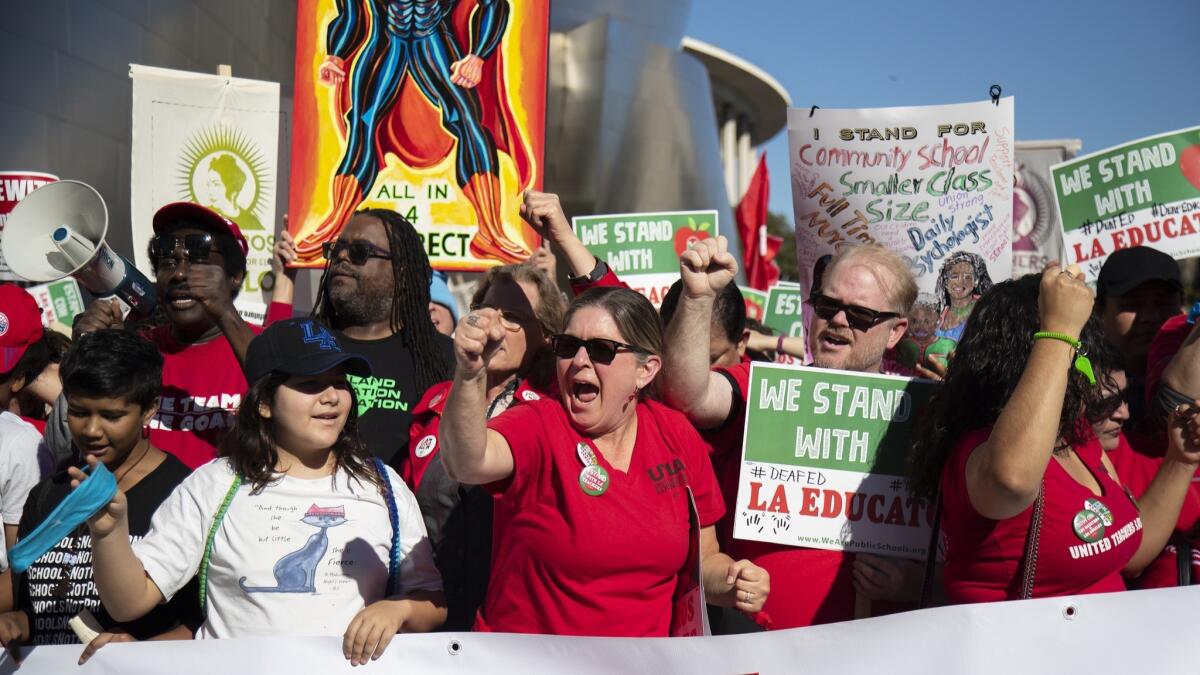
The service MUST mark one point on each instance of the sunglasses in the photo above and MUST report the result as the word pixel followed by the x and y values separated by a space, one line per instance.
pixel 357 252
pixel 196 247
pixel 861 319
pixel 512 321
pixel 599 350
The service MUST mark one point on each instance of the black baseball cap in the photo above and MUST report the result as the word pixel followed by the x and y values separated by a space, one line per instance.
pixel 1129 268
pixel 299 347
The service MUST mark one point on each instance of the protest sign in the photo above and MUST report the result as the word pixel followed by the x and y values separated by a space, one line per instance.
pixel 756 302
pixel 823 461
pixel 933 183
pixel 1037 234
pixel 447 131
pixel 14 185
pixel 1044 635
pixel 59 301
pixel 785 310
pixel 644 248
pixel 211 140
pixel 1143 193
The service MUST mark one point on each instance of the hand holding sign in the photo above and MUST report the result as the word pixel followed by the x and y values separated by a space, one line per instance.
pixel 1184 434
pixel 707 267
pixel 475 340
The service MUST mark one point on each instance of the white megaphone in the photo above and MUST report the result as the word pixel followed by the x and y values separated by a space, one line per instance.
pixel 58 230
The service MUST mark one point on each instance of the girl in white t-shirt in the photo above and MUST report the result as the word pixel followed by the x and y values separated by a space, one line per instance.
pixel 295 530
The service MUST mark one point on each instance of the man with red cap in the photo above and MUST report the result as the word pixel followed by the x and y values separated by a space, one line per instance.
pixel 199 260
pixel 23 355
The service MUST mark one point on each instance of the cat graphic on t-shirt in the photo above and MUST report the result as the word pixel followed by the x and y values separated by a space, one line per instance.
pixel 296 572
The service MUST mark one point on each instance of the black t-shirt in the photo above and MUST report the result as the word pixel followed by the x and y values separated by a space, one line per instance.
pixel 59 584
pixel 387 397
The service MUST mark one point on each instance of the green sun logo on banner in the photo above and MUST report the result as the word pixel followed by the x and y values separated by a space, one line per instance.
pixel 223 169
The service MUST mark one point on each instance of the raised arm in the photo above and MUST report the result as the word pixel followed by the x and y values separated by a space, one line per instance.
pixel 125 589
pixel 471 452
pixel 1004 474
pixel 1160 503
pixel 544 213
pixel 689 384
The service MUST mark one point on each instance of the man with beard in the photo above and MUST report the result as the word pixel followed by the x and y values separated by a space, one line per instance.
pixel 859 312
pixel 375 296
pixel 199 261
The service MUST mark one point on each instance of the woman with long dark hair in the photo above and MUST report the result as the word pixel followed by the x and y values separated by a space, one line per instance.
pixel 295 529
pixel 1031 507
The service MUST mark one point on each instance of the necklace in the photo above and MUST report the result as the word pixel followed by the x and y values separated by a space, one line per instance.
pixel 135 464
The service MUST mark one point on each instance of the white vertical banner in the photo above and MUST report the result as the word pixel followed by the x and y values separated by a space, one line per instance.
pixel 214 141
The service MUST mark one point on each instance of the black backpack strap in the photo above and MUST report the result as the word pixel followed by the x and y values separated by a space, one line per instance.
pixel 1183 559
pixel 931 554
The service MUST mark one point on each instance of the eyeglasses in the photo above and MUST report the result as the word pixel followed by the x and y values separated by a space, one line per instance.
pixel 512 321
pixel 599 350
pixel 861 319
pixel 196 247
pixel 357 251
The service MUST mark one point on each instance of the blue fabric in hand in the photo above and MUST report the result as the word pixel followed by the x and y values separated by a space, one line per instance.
pixel 92 495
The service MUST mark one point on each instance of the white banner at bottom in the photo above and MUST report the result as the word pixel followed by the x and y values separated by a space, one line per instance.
pixel 1111 633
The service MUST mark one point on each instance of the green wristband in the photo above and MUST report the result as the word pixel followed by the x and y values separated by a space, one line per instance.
pixel 1082 363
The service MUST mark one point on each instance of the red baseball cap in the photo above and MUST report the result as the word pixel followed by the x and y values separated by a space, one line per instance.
pixel 200 216
pixel 20 324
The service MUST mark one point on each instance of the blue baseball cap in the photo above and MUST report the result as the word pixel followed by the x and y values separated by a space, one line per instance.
pixel 439 293
pixel 299 347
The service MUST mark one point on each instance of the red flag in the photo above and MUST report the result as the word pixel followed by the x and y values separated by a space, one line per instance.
pixel 758 247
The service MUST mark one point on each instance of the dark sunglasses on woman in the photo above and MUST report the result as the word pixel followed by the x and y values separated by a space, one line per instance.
pixel 358 252
pixel 599 350
pixel 195 246
pixel 859 318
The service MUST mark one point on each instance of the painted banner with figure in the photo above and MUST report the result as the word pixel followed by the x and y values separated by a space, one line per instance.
pixel 435 110
pixel 1037 234
pixel 823 461
pixel 1142 193
pixel 214 141
pixel 14 185
pixel 644 248
pixel 933 183
pixel 1097 633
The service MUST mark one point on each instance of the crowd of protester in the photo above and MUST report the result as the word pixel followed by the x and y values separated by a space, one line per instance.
pixel 391 464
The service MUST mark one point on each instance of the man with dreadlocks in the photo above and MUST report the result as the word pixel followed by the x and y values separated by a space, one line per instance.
pixel 375 296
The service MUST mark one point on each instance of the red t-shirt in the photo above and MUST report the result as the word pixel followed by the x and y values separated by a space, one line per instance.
pixel 423 432
pixel 983 556
pixel 568 563
pixel 808 586
pixel 1170 337
pixel 202 387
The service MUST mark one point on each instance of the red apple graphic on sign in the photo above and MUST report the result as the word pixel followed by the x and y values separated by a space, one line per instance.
pixel 1189 165
pixel 686 236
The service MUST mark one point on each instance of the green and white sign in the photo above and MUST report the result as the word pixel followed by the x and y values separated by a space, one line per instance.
pixel 1142 193
pixel 644 248
pixel 756 302
pixel 213 141
pixel 824 461
pixel 785 310
pixel 59 301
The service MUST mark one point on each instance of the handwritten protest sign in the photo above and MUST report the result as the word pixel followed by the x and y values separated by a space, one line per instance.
pixel 1142 193
pixel 933 183
pixel 756 302
pixel 823 461
pixel 644 248
pixel 785 310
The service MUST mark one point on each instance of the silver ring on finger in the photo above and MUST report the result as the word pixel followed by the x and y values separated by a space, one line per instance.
pixel 472 319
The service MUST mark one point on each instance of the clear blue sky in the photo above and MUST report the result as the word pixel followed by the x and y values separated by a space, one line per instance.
pixel 1104 72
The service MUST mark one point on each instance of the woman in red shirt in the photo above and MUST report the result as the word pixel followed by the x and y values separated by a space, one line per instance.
pixel 1031 506
pixel 593 485
pixel 458 517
